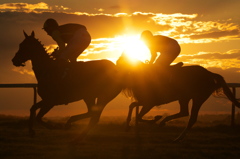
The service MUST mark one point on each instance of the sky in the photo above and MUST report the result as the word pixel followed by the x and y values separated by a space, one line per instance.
pixel 208 32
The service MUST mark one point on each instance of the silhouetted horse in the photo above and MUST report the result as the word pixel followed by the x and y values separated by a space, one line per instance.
pixel 152 86
pixel 95 82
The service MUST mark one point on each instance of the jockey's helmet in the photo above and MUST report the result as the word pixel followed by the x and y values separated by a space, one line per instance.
pixel 50 25
pixel 146 34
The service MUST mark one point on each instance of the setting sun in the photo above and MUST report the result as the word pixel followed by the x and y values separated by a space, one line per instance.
pixel 133 48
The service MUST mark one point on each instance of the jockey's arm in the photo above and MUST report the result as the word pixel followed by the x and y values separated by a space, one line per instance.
pixel 153 57
pixel 57 37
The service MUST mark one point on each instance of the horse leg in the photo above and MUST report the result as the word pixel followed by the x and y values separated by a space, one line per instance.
pixel 94 119
pixel 197 103
pixel 33 116
pixel 96 110
pixel 43 110
pixel 145 109
pixel 131 107
pixel 89 102
pixel 183 112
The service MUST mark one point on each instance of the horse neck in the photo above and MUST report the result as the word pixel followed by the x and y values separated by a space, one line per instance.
pixel 40 61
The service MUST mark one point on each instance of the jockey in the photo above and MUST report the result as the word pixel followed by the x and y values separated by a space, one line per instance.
pixel 72 39
pixel 168 47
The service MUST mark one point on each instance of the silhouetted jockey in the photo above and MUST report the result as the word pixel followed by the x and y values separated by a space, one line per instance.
pixel 168 47
pixel 72 39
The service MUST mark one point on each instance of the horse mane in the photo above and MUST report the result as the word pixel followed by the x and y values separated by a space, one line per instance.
pixel 41 47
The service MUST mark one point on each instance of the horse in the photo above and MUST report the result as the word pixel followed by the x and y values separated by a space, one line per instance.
pixel 94 82
pixel 150 85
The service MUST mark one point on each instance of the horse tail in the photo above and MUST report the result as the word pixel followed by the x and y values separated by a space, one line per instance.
pixel 129 93
pixel 127 89
pixel 221 83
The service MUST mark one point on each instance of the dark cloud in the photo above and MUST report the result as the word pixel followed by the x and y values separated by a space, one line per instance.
pixel 234 55
pixel 18 5
pixel 216 34
pixel 99 25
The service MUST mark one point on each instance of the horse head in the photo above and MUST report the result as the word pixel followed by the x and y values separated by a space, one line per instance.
pixel 127 65
pixel 25 49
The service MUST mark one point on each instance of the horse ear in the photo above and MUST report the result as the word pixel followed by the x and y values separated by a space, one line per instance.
pixel 25 34
pixel 33 34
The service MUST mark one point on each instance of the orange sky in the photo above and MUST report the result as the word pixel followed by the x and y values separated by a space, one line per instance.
pixel 208 32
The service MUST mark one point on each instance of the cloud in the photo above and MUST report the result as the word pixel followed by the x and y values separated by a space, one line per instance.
pixel 216 35
pixel 24 71
pixel 226 60
pixel 231 54
pixel 26 7
pixel 177 25
pixel 23 7
pixel 226 63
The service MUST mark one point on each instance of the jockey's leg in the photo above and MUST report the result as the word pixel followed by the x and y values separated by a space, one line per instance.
pixel 79 42
pixel 169 55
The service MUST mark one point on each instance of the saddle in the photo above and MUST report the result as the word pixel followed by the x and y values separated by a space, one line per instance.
pixel 178 65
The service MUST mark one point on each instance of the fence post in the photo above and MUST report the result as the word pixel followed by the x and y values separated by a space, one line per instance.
pixel 233 108
pixel 34 95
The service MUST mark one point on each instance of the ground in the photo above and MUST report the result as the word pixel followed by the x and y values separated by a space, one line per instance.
pixel 109 140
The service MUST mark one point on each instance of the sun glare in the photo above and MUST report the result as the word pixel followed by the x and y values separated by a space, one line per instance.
pixel 134 48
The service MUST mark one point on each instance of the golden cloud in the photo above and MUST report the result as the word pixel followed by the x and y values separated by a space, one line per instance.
pixel 226 60
pixel 23 71
pixel 183 27
pixel 186 28
pixel 23 6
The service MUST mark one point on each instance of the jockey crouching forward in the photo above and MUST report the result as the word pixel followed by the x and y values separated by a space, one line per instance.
pixel 72 39
pixel 168 47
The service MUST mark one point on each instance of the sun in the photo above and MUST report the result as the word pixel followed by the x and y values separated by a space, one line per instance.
pixel 134 48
